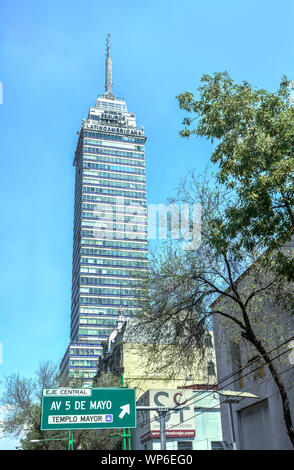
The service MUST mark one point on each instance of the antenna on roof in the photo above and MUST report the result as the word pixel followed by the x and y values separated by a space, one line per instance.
pixel 108 70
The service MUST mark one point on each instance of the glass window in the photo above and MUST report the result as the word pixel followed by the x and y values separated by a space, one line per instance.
pixel 210 368
pixel 185 445
pixel 208 340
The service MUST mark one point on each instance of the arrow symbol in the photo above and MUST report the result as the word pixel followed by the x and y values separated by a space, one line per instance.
pixel 125 409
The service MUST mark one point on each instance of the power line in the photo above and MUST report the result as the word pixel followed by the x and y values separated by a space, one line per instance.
pixel 242 398
pixel 227 377
pixel 224 378
pixel 239 370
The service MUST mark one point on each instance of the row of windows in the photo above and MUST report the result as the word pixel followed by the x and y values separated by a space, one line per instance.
pixel 120 138
pixel 107 311
pixel 82 374
pixel 109 252
pixel 127 169
pixel 113 152
pixel 124 145
pixel 88 341
pixel 109 281
pixel 109 159
pixel 106 183
pixel 127 176
pixel 108 301
pixel 114 236
pixel 118 213
pixel 82 362
pixel 98 321
pixel 114 105
pixel 114 262
pixel 129 210
pixel 85 351
pixel 114 192
pixel 110 228
pixel 109 291
pixel 111 220
pixel 95 331
pixel 114 244
pixel 108 272
pixel 114 184
pixel 118 201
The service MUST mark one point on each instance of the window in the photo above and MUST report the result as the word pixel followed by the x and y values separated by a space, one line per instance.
pixel 237 362
pixel 216 445
pixel 210 368
pixel 208 340
pixel 185 445
pixel 179 330
pixel 258 367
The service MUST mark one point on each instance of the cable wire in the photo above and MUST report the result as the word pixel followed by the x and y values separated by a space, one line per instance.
pixel 227 377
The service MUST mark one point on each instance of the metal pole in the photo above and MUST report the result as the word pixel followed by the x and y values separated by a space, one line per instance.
pixel 232 430
pixel 70 441
pixel 128 433
pixel 125 440
pixel 162 411
pixel 162 429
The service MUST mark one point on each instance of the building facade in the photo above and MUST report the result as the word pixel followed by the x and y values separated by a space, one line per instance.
pixel 197 426
pixel 110 227
pixel 256 423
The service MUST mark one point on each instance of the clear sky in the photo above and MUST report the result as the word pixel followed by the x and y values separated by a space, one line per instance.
pixel 52 57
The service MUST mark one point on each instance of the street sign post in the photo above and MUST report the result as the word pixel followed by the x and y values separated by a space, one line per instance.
pixel 88 408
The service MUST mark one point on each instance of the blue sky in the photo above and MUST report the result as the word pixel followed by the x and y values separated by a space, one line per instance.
pixel 52 67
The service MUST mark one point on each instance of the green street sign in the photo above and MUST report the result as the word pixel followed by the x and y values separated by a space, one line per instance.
pixel 88 408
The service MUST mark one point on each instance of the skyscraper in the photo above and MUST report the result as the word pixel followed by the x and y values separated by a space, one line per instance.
pixel 110 227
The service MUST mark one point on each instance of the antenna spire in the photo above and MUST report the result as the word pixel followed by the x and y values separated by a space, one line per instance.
pixel 108 70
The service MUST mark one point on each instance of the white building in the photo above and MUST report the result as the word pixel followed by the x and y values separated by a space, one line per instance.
pixel 192 423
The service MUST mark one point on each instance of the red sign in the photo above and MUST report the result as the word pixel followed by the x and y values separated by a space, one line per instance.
pixel 169 433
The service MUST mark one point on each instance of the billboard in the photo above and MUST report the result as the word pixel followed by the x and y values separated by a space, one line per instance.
pixel 179 422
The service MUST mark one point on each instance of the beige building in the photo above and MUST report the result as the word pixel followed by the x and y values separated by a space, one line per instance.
pixel 122 357
pixel 197 425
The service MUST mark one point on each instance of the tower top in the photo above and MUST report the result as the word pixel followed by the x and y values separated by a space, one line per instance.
pixel 108 70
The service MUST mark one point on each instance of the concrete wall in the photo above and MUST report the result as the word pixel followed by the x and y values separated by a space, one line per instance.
pixel 137 373
pixel 258 423
pixel 207 420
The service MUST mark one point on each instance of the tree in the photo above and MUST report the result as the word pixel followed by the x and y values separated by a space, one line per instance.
pixel 22 402
pixel 182 287
pixel 253 131
pixel 22 399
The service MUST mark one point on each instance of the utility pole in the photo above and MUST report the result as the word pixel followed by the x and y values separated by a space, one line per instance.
pixel 125 434
pixel 231 423
pixel 162 412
